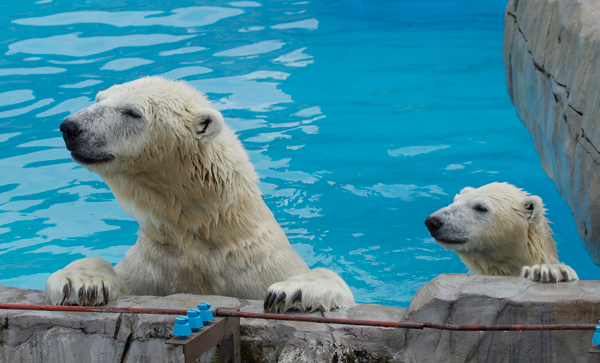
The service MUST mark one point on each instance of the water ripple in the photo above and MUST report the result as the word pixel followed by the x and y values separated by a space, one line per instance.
pixel 23 110
pixel 309 24
pixel 249 91
pixel 27 71
pixel 75 46
pixel 182 17
pixel 125 63
pixel 14 97
pixel 252 49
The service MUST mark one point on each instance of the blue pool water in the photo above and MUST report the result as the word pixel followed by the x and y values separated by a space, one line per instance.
pixel 361 118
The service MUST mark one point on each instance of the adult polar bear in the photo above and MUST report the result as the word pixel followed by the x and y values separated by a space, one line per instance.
pixel 171 162
pixel 498 229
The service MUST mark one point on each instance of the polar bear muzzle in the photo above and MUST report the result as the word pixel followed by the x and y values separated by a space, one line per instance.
pixel 71 134
pixel 451 226
pixel 78 140
pixel 435 226
pixel 99 133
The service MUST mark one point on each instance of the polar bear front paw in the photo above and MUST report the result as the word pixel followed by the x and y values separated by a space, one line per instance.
pixel 557 272
pixel 320 289
pixel 89 281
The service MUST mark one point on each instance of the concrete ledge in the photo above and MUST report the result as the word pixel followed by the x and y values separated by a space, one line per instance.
pixel 28 336
pixel 476 300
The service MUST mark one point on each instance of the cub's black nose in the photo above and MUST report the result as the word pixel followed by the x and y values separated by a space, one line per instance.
pixel 433 223
pixel 70 129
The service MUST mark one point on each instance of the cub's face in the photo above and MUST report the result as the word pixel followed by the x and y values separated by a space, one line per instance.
pixel 495 216
pixel 148 119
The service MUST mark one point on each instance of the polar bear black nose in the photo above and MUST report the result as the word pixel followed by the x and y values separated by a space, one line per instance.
pixel 70 129
pixel 433 223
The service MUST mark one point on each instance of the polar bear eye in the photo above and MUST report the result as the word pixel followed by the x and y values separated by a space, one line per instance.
pixel 132 113
pixel 480 208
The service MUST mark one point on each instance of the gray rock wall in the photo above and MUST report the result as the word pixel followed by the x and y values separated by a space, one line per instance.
pixel 552 59
pixel 29 336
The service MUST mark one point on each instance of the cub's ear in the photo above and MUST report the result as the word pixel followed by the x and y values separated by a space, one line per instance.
pixel 208 124
pixel 534 207
pixel 464 191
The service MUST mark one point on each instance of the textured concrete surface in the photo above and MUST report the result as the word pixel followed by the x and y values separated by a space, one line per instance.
pixel 478 300
pixel 552 59
pixel 29 336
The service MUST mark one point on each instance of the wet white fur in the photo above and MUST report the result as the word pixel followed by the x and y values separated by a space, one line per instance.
pixel 512 239
pixel 204 228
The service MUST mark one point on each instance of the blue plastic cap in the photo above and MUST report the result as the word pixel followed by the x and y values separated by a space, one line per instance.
pixel 182 328
pixel 203 306
pixel 205 313
pixel 195 320
pixel 596 339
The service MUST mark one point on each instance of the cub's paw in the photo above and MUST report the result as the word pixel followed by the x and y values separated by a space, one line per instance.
pixel 320 289
pixel 89 281
pixel 558 272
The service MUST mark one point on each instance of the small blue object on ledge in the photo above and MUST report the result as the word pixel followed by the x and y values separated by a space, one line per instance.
pixel 182 329
pixel 205 313
pixel 596 338
pixel 195 320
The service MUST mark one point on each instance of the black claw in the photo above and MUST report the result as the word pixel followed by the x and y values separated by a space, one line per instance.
pixel 544 277
pixel 280 298
pixel 66 292
pixel 105 292
pixel 92 293
pixel 536 274
pixel 271 300
pixel 526 273
pixel 297 296
pixel 267 298
pixel 81 294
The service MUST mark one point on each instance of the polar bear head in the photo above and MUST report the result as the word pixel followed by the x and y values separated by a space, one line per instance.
pixel 495 223
pixel 164 151
pixel 146 120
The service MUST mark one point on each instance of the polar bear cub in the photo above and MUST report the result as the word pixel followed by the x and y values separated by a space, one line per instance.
pixel 175 166
pixel 499 229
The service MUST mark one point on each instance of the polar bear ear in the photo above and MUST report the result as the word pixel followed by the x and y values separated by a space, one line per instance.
pixel 534 207
pixel 208 124
pixel 464 191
